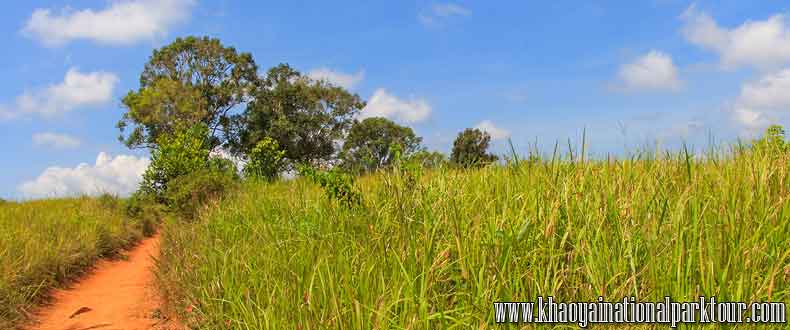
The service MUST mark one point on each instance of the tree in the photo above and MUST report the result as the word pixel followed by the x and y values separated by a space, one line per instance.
pixel 470 148
pixel 184 152
pixel 305 117
pixel 265 160
pixel 369 143
pixel 191 81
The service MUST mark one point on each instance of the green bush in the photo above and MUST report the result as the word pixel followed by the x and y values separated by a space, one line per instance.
pixel 337 185
pixel 181 153
pixel 266 160
pixel 187 194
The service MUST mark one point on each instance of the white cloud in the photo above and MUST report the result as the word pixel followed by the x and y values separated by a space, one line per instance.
pixel 762 44
pixel 442 11
pixel 55 140
pixel 345 80
pixel 383 104
pixel 77 89
pixel 652 71
pixel 495 132
pixel 116 175
pixel 122 22
pixel 762 99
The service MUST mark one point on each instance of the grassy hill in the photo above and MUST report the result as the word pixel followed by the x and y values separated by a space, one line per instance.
pixel 433 249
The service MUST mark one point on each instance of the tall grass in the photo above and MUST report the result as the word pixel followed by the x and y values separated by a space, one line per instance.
pixel 45 243
pixel 436 252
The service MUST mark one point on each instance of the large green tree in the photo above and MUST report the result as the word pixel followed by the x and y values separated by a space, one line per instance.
pixel 369 144
pixel 305 117
pixel 190 81
pixel 470 148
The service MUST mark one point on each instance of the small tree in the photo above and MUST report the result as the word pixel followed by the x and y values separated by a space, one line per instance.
pixel 470 148
pixel 369 144
pixel 181 153
pixel 266 160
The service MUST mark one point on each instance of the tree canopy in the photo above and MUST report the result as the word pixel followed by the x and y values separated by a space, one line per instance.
pixel 190 81
pixel 305 117
pixel 369 143
pixel 470 148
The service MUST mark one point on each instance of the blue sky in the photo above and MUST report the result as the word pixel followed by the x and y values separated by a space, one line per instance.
pixel 630 72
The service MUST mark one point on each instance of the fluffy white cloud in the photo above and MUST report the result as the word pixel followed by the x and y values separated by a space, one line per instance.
pixel 341 79
pixel 116 175
pixel 122 22
pixel 652 71
pixel 762 44
pixel 55 140
pixel 762 99
pixel 383 104
pixel 77 89
pixel 442 11
pixel 495 132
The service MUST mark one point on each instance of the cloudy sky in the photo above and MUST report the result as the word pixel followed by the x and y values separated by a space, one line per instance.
pixel 630 73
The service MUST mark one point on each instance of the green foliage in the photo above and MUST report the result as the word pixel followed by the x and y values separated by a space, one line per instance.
pixel 188 82
pixel 184 152
pixel 773 141
pixel 265 160
pixel 336 184
pixel 368 144
pixel 188 194
pixel 224 166
pixel 470 148
pixel 304 116
pixel 429 159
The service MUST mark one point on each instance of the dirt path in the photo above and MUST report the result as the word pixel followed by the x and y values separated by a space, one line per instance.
pixel 117 295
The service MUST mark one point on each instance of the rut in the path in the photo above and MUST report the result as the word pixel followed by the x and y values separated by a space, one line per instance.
pixel 117 295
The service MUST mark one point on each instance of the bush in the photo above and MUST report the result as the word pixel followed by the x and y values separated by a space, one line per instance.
pixel 187 194
pixel 266 160
pixel 336 184
pixel 225 166
pixel 181 153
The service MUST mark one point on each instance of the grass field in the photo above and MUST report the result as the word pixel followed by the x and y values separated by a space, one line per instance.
pixel 435 250
pixel 45 243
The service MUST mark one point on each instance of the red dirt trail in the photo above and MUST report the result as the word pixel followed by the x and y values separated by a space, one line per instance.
pixel 117 295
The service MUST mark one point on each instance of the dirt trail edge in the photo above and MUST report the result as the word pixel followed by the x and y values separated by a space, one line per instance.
pixel 117 295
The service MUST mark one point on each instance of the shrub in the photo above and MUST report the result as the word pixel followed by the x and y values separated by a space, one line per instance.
pixel 187 194
pixel 336 184
pixel 223 165
pixel 266 160
pixel 183 152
